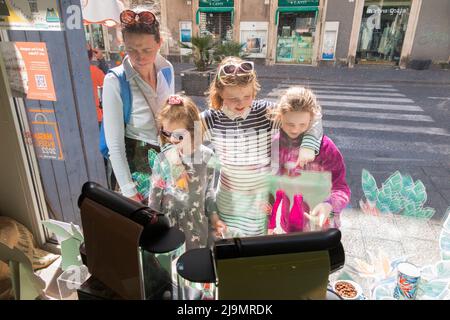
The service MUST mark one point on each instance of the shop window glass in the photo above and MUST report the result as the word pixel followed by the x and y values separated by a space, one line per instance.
pixel 115 40
pixel 296 37
pixel 97 36
pixel 383 28
pixel 217 24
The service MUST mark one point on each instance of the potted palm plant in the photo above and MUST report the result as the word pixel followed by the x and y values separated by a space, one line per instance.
pixel 229 48
pixel 195 81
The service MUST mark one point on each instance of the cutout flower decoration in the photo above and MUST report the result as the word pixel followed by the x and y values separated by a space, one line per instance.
pixel 399 194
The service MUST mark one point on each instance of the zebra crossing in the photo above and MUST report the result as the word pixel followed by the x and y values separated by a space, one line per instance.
pixel 376 120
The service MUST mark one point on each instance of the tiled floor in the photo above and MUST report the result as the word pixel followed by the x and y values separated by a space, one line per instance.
pixel 395 235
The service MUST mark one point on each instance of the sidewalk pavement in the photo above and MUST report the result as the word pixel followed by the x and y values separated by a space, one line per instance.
pixel 397 236
pixel 360 73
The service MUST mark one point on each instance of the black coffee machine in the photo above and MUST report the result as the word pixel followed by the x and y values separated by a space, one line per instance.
pixel 129 248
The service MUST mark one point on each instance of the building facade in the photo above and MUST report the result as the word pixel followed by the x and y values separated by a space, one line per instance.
pixel 312 32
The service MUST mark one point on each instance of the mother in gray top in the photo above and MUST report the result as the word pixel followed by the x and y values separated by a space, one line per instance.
pixel 150 79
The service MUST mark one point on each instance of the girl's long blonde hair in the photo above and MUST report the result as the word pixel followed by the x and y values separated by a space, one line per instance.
pixel 186 112
pixel 298 99
pixel 222 81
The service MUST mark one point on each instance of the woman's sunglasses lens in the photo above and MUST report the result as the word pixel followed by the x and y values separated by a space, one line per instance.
pixel 127 16
pixel 146 17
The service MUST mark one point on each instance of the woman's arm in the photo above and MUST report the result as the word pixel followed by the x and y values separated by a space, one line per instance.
pixel 115 134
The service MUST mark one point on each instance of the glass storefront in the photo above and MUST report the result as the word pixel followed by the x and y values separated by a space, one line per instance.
pixel 296 37
pixel 217 24
pixel 215 18
pixel 383 28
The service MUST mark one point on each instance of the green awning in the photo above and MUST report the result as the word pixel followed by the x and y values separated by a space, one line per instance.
pixel 295 9
pixel 214 9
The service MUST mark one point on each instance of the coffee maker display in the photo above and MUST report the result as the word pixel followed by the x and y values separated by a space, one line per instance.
pixel 286 266
pixel 130 248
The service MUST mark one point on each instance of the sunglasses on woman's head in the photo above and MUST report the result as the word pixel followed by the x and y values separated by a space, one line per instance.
pixel 129 18
pixel 244 67
pixel 176 135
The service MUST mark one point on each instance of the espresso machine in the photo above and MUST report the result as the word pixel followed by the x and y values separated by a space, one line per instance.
pixel 129 248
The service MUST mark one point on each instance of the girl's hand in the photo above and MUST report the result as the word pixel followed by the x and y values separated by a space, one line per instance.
pixel 219 226
pixel 305 156
pixel 267 208
pixel 322 212
pixel 271 232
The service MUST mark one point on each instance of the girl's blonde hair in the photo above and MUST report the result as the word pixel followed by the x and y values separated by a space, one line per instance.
pixel 180 108
pixel 221 81
pixel 298 99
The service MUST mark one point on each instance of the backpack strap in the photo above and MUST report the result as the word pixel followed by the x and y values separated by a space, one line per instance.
pixel 167 72
pixel 125 91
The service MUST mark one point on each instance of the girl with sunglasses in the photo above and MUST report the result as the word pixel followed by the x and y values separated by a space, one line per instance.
pixel 240 129
pixel 182 181
pixel 133 94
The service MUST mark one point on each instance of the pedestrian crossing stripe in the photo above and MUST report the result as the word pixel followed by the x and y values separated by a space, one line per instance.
pixel 306 82
pixel 354 98
pixel 384 127
pixel 380 106
pixel 345 141
pixel 355 93
pixel 352 87
pixel 376 115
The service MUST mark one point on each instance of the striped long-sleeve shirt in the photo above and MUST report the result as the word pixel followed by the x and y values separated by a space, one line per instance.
pixel 243 147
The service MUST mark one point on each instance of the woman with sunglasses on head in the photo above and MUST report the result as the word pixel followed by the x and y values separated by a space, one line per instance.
pixel 133 93
pixel 182 182
pixel 240 129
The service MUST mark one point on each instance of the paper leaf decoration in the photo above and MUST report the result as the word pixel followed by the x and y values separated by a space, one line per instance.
pixel 56 229
pixel 70 239
pixel 369 186
pixel 399 194
pixel 70 253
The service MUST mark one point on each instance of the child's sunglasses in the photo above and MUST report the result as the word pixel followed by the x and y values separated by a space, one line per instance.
pixel 176 135
pixel 244 67
pixel 128 18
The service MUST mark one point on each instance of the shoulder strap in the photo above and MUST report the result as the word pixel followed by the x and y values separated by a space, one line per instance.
pixel 167 72
pixel 125 91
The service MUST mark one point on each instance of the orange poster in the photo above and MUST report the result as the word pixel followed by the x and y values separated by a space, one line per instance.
pixel 45 134
pixel 38 71
pixel 29 70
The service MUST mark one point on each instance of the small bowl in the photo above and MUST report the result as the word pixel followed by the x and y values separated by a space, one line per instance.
pixel 357 287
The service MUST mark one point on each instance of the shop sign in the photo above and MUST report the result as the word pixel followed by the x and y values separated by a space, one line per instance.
pixel 31 15
pixel 374 9
pixel 298 3
pixel 45 135
pixel 216 3
pixel 28 69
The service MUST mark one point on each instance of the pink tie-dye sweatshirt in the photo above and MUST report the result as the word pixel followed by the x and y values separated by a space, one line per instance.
pixel 329 159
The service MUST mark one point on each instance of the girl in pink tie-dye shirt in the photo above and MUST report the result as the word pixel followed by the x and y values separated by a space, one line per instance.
pixel 297 110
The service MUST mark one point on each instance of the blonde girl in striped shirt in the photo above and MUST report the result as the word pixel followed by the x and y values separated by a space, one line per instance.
pixel 240 131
